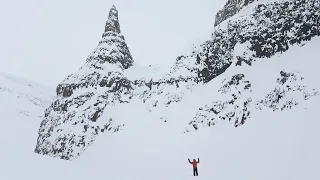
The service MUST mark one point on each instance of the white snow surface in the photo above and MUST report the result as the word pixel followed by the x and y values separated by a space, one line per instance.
pixel 269 146
pixel 22 105
pixel 14 89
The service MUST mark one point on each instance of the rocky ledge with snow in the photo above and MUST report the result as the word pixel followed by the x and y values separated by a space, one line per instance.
pixel 290 91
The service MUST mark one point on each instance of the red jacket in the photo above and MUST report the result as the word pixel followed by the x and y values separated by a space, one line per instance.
pixel 194 163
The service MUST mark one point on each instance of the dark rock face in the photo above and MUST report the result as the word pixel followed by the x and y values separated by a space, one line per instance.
pixel 113 24
pixel 112 36
pixel 215 56
pixel 298 18
pixel 269 29
pixel 231 8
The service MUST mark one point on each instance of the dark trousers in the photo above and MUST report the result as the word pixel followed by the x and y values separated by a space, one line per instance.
pixel 195 171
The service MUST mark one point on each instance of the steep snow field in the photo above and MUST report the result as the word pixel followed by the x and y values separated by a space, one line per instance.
pixel 269 146
pixel 22 105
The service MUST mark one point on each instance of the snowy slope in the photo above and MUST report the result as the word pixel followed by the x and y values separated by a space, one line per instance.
pixel 89 101
pixel 271 145
pixel 245 102
pixel 23 96
pixel 22 105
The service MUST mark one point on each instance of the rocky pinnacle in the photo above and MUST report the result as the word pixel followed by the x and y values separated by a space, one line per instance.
pixel 113 21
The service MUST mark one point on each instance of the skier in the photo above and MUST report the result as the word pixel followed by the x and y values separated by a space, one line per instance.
pixel 195 166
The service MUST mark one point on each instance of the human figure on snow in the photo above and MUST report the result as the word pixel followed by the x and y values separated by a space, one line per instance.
pixel 195 166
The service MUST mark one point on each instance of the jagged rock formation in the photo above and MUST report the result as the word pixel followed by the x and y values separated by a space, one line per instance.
pixel 113 24
pixel 100 83
pixel 81 110
pixel 235 108
pixel 290 91
pixel 231 8
pixel 80 100
pixel 270 28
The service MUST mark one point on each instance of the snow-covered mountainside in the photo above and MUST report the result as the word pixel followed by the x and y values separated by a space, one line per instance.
pixel 21 102
pixel 273 145
pixel 104 94
pixel 231 8
pixel 25 96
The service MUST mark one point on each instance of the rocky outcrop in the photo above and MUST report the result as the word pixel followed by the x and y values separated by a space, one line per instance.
pixel 235 108
pixel 163 92
pixel 111 56
pixel 113 24
pixel 231 8
pixel 290 91
pixel 69 125
pixel 270 28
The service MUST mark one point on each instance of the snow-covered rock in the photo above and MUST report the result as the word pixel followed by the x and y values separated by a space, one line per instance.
pixel 290 91
pixel 96 98
pixel 264 28
pixel 231 8
pixel 261 30
pixel 70 121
